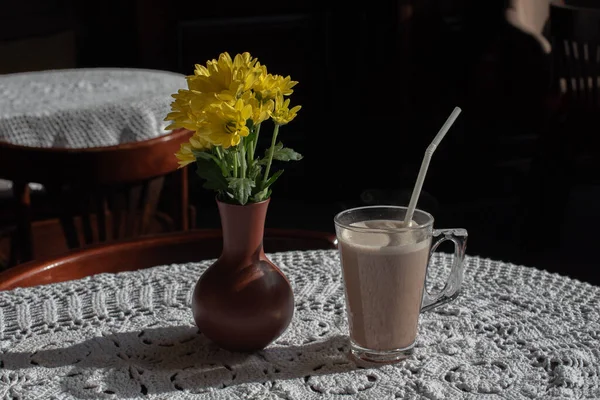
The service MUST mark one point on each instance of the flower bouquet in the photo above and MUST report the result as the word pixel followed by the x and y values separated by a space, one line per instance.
pixel 226 103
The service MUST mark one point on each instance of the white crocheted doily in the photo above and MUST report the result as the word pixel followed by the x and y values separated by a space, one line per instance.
pixel 513 333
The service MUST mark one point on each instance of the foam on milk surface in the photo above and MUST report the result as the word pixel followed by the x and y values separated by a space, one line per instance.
pixel 388 242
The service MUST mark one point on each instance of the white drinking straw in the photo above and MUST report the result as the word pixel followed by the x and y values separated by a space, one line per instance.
pixel 425 164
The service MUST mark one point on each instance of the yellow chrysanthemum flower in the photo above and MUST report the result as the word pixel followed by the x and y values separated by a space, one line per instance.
pixel 267 86
pixel 185 155
pixel 181 113
pixel 215 77
pixel 282 114
pixel 188 109
pixel 246 70
pixel 226 78
pixel 199 143
pixel 224 124
pixel 261 110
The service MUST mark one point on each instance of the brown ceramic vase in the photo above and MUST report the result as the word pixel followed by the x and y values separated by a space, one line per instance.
pixel 243 302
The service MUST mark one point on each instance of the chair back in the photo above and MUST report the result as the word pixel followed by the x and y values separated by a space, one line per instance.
pixel 98 194
pixel 145 252
pixel 575 34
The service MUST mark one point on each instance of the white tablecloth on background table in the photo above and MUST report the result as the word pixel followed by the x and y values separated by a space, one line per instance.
pixel 513 333
pixel 79 108
pixel 85 107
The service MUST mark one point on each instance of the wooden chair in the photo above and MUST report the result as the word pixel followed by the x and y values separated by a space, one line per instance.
pixel 575 34
pixel 581 3
pixel 567 159
pixel 98 194
pixel 139 253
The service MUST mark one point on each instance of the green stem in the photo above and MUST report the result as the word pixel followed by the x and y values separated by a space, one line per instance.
pixel 219 160
pixel 252 147
pixel 235 165
pixel 242 154
pixel 218 151
pixel 271 151
pixel 250 155
pixel 220 163
pixel 255 140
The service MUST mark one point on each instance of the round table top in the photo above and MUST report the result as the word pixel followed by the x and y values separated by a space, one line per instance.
pixel 79 108
pixel 513 333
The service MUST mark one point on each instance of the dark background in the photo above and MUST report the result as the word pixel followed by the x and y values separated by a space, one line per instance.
pixel 377 81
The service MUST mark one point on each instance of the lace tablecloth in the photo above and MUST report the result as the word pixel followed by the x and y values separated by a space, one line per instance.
pixel 85 107
pixel 514 333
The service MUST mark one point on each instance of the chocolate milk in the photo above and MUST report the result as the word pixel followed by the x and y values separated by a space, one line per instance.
pixel 384 274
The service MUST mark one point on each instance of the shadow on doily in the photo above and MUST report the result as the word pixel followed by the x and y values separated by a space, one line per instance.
pixel 174 359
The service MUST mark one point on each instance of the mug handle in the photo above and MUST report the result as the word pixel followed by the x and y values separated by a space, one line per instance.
pixel 452 286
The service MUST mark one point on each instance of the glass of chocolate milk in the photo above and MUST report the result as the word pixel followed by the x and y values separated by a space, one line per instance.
pixel 384 267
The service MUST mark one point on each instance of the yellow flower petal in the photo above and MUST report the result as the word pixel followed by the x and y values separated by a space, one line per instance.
pixel 246 112
pixel 185 155
pixel 282 114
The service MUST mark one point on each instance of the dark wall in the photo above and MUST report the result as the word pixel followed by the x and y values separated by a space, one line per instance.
pixel 376 83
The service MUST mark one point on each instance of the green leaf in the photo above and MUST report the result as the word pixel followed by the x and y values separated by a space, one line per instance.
pixel 281 153
pixel 251 136
pixel 250 125
pixel 228 156
pixel 277 147
pixel 222 164
pixel 286 154
pixel 254 171
pixel 273 178
pixel 262 195
pixel 242 188
pixel 265 159
pixel 202 154
pixel 208 170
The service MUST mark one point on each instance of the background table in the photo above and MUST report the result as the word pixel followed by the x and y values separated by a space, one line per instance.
pixel 85 107
pixel 514 332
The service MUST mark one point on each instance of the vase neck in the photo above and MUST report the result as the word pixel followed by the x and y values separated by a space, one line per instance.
pixel 243 230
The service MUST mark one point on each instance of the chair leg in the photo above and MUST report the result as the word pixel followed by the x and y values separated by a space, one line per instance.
pixel 152 192
pixel 22 240
pixel 180 205
pixel 67 209
pixel 192 217
pixel 184 201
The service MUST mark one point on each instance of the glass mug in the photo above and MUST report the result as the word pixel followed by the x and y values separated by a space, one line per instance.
pixel 384 268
